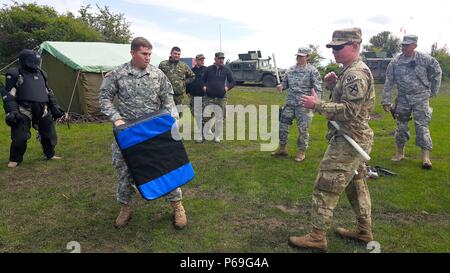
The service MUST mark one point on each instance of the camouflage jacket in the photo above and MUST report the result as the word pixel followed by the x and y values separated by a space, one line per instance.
pixel 179 75
pixel 138 93
pixel 300 81
pixel 353 97
pixel 418 77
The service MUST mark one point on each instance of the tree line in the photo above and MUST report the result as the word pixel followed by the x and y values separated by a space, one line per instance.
pixel 28 25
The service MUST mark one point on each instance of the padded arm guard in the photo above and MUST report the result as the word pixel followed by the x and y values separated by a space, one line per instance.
pixel 9 102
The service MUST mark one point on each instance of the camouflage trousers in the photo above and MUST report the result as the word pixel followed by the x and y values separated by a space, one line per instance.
pixel 421 112
pixel 179 100
pixel 336 175
pixel 125 184
pixel 303 116
pixel 214 107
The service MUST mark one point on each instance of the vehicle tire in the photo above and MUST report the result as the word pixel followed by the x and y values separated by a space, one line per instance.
pixel 269 81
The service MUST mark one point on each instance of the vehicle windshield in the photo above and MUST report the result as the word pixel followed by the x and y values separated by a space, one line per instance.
pixel 264 63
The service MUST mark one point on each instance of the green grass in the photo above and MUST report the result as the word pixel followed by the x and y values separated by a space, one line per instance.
pixel 241 200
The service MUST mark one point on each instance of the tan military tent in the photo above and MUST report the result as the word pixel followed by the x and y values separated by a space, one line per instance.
pixel 76 70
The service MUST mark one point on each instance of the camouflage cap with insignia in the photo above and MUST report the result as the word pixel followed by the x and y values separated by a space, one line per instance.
pixel 219 55
pixel 303 51
pixel 200 56
pixel 409 39
pixel 345 36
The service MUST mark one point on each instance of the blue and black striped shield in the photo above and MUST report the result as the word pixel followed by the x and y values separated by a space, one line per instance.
pixel 157 162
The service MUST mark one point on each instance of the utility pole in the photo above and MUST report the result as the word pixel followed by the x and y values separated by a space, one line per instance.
pixel 220 37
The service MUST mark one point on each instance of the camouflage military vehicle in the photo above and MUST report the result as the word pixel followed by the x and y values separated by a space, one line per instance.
pixel 250 67
pixel 378 63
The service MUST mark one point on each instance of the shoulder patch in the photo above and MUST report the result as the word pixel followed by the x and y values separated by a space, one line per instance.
pixel 350 78
pixel 353 89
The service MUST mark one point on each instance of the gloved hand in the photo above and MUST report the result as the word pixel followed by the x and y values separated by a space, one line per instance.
pixel 57 112
pixel 12 118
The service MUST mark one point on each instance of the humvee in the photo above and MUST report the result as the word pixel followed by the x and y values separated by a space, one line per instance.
pixel 378 63
pixel 250 67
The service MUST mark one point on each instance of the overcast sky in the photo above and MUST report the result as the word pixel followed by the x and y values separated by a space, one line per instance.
pixel 278 27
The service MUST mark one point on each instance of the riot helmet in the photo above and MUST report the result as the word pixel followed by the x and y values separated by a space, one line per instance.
pixel 29 60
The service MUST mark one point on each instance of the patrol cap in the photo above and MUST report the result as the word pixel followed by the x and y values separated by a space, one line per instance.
pixel 345 36
pixel 200 56
pixel 409 39
pixel 219 55
pixel 303 51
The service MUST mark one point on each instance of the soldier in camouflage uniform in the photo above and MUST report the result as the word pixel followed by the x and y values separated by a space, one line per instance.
pixel 353 97
pixel 300 79
pixel 418 78
pixel 178 73
pixel 140 89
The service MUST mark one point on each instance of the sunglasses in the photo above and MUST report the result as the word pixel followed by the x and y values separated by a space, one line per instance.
pixel 340 47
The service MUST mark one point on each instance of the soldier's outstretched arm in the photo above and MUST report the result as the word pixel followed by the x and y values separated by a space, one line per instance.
pixel 388 84
pixel 435 76
pixel 108 91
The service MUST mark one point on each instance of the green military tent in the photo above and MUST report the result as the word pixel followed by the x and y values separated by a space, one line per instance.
pixel 76 70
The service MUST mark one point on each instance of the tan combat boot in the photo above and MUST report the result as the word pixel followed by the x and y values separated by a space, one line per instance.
pixel 316 240
pixel 399 155
pixel 124 216
pixel 281 151
pixel 362 234
pixel 426 163
pixel 300 156
pixel 180 214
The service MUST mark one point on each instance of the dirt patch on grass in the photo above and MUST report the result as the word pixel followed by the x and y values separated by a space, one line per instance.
pixel 413 218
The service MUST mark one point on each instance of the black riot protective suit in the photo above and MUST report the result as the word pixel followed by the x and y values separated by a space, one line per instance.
pixel 28 101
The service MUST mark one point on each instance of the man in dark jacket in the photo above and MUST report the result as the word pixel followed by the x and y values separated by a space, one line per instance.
pixel 217 81
pixel 196 94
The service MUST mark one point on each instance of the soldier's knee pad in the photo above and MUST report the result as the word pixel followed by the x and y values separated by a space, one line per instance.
pixel 20 135
pixel 334 182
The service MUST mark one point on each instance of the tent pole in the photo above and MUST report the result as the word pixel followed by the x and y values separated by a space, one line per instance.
pixel 73 91
pixel 71 99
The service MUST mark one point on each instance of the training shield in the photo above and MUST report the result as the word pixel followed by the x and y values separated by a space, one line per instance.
pixel 157 162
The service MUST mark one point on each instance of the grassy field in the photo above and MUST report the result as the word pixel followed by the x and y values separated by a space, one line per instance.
pixel 241 200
